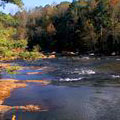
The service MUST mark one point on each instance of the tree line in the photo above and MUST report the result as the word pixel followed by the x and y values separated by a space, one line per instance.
pixel 83 26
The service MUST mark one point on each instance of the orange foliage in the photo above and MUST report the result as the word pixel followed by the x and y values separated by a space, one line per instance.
pixel 114 2
pixel 50 28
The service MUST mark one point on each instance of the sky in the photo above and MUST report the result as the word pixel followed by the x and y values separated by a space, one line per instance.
pixel 10 8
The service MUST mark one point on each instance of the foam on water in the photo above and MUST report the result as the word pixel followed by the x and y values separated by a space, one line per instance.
pixel 71 79
pixel 84 72
pixel 116 76
pixel 118 59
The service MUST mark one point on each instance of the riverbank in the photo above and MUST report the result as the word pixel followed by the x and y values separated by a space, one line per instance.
pixel 26 55
pixel 8 85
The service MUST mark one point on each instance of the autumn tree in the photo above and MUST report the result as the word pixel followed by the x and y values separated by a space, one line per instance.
pixel 81 26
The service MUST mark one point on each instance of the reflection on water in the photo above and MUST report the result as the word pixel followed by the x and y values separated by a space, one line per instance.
pixel 80 89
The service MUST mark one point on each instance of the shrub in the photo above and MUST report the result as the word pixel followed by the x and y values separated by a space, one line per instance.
pixel 30 55
pixel 20 44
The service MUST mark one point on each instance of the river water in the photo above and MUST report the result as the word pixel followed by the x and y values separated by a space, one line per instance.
pixel 81 89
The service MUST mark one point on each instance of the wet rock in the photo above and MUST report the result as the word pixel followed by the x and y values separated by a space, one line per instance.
pixel 52 56
pixel 91 54
pixel 53 53
pixel 30 108
pixel 66 53
pixel 85 58
pixel 113 54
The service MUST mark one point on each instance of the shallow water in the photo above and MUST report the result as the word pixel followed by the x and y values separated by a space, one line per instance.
pixel 80 89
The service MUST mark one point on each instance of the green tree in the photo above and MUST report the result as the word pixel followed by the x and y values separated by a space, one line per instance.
pixel 16 2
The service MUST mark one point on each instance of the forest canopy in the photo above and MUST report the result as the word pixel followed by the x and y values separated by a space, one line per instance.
pixel 82 26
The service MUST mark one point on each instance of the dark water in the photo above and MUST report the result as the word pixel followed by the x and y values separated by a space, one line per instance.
pixel 80 89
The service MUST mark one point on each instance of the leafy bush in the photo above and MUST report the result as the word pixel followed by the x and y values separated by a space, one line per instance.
pixel 8 53
pixel 8 20
pixel 20 44
pixel 30 55
pixel 2 50
pixel 12 46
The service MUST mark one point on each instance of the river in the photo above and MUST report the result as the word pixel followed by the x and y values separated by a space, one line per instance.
pixel 81 89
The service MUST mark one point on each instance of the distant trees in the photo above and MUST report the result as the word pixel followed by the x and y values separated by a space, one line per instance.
pixel 81 26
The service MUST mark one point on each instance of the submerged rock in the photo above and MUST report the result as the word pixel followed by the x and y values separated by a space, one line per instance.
pixel 34 73
pixel 4 108
pixel 45 82
pixel 30 108
pixel 26 108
